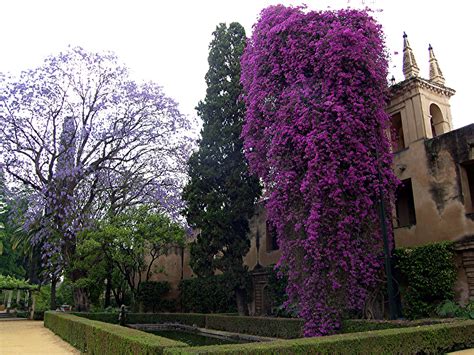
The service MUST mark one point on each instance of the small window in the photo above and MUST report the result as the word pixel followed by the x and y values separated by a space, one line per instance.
pixel 405 205
pixel 272 241
pixel 396 132
pixel 468 185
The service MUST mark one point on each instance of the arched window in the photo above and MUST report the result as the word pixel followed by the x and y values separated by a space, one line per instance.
pixel 436 120
pixel 396 132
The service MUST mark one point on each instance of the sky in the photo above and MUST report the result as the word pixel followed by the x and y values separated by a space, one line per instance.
pixel 167 41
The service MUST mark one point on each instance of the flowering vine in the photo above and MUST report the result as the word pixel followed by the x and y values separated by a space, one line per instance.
pixel 315 92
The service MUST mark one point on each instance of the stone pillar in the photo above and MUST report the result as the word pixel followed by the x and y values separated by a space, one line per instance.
pixel 9 302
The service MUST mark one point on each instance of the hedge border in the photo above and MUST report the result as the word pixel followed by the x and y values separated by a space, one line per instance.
pixel 429 339
pixel 96 337
pixel 285 328
pixel 191 319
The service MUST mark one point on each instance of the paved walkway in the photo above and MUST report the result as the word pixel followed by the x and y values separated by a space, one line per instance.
pixel 31 338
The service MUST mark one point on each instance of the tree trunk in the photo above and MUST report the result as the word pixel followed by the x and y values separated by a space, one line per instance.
pixel 52 303
pixel 34 265
pixel 118 295
pixel 81 301
pixel 241 302
pixel 108 290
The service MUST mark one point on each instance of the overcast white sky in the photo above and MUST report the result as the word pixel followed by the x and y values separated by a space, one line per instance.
pixel 167 41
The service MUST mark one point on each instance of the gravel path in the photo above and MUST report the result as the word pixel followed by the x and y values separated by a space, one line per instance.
pixel 31 337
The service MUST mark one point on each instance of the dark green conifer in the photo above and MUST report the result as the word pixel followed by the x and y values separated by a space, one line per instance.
pixel 221 193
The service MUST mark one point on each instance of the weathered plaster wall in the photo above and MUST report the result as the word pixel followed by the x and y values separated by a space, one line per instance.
pixel 172 268
pixel 433 167
pixel 258 226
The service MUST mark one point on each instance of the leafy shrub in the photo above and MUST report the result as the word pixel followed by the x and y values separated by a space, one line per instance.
pixel 64 294
pixel 277 295
pixel 428 274
pixel 213 294
pixel 151 296
pixel 43 298
pixel 95 337
pixel 428 339
pixel 452 309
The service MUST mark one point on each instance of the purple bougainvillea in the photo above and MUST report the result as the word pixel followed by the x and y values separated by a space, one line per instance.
pixel 315 90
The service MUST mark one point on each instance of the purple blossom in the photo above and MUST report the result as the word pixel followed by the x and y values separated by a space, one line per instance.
pixel 88 141
pixel 315 92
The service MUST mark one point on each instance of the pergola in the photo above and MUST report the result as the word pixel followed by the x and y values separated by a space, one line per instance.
pixel 10 284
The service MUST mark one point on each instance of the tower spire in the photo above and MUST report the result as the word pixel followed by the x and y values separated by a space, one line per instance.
pixel 435 72
pixel 410 68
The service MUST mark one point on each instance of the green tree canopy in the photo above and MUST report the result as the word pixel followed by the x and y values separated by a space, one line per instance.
pixel 131 242
pixel 12 283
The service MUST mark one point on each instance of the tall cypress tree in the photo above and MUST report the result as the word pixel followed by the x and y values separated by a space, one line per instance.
pixel 221 193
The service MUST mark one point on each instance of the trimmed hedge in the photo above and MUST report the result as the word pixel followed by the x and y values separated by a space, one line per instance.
pixel 208 294
pixel 106 317
pixel 286 328
pixel 101 338
pixel 149 318
pixel 364 325
pixel 182 318
pixel 429 339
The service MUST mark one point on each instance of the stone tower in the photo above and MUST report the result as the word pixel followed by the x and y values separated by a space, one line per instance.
pixel 419 107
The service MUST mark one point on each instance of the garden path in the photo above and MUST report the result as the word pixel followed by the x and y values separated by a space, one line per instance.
pixel 31 338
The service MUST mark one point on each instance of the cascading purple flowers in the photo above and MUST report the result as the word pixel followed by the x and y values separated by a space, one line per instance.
pixel 315 91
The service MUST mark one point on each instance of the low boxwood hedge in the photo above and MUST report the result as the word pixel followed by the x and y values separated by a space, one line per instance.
pixel 428 339
pixel 106 317
pixel 364 325
pixel 149 318
pixel 182 318
pixel 291 328
pixel 96 337
pixel 286 328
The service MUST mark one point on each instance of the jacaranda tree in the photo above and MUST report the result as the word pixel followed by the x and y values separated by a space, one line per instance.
pixel 221 194
pixel 89 142
pixel 315 91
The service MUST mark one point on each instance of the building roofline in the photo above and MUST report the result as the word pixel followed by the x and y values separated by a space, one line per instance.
pixel 414 82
